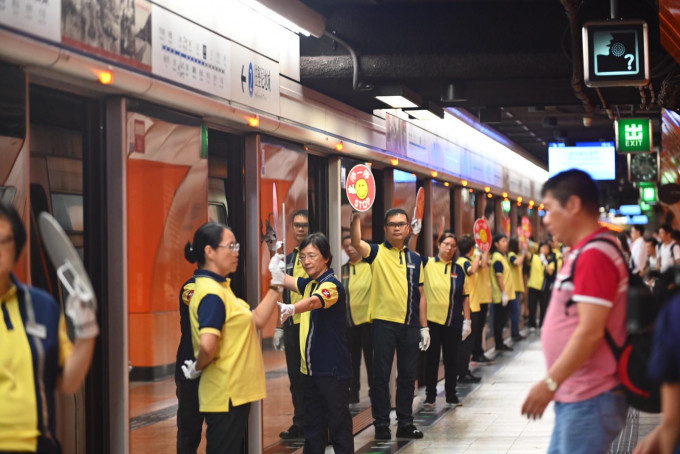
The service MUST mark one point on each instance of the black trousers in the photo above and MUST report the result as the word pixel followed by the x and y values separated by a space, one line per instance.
pixel 388 337
pixel 327 409
pixel 500 319
pixel 291 341
pixel 360 338
pixel 477 349
pixel 444 340
pixel 544 301
pixel 226 431
pixel 465 348
pixel 534 298
pixel 189 418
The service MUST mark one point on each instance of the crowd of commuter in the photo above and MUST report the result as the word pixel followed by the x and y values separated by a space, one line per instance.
pixel 389 300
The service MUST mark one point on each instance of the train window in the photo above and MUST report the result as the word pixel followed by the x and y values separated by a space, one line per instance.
pixel 7 194
pixel 217 213
pixel 65 174
pixel 68 211
pixel 441 211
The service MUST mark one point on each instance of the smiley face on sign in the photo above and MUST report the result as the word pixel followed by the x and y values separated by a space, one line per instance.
pixel 482 233
pixel 360 187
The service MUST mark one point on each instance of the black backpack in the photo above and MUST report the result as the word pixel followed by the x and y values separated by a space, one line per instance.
pixel 632 357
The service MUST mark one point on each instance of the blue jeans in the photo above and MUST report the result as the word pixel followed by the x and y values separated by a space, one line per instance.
pixel 590 426
pixel 388 337
pixel 514 315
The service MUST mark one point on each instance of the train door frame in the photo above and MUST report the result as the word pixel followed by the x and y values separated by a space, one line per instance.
pixel 95 250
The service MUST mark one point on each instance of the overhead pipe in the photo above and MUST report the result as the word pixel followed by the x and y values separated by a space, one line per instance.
pixel 357 85
pixel 577 57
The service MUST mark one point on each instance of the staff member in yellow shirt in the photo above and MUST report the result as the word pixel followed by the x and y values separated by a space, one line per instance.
pixel 224 335
pixel 325 360
pixel 36 354
pixel 538 269
pixel 516 262
pixel 357 278
pixel 483 295
pixel 398 310
pixel 287 337
pixel 503 289
pixel 469 262
pixel 448 317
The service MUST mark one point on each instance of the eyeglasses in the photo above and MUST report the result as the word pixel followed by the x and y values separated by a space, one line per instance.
pixel 233 246
pixel 7 241
pixel 394 225
pixel 308 256
pixel 301 225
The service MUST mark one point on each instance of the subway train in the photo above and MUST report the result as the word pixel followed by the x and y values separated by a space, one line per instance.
pixel 132 143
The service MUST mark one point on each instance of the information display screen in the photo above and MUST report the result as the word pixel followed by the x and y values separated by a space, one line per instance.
pixel 598 159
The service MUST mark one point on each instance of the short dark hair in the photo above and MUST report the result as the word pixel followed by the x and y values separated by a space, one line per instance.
pixel 577 183
pixel 496 238
pixel 319 241
pixel 639 228
pixel 466 243
pixel 10 214
pixel 394 212
pixel 666 227
pixel 652 240
pixel 209 234
pixel 446 235
pixel 303 212
pixel 513 245
pixel 345 237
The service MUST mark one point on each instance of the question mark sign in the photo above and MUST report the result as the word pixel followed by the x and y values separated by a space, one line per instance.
pixel 630 59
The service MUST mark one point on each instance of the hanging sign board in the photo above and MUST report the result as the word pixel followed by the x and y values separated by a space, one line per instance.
pixel 633 135
pixel 360 188
pixel 615 53
pixel 482 234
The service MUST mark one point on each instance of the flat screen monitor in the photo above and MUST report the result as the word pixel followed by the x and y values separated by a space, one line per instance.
pixel 598 159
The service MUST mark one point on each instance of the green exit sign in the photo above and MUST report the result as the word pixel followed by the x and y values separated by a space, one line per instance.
pixel 633 135
pixel 648 194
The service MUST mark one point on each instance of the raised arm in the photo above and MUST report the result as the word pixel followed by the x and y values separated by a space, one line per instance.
pixel 361 246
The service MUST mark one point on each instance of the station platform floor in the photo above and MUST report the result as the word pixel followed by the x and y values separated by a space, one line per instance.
pixel 490 420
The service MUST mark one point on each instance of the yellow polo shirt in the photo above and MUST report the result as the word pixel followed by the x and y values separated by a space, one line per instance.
pixel 484 284
pixel 506 276
pixel 445 288
pixel 471 281
pixel 516 271
pixel 357 279
pixel 237 372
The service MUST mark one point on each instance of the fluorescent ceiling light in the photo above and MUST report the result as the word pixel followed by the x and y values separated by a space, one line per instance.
pixel 290 14
pixel 430 111
pixel 398 97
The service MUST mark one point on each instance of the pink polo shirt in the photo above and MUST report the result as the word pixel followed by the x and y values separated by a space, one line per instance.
pixel 600 277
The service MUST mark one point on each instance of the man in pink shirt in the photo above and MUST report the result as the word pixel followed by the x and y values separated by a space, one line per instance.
pixel 588 299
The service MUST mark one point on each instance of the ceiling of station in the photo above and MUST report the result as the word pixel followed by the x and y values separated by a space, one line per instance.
pixel 512 59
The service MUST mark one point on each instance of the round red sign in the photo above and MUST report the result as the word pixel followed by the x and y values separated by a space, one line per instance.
pixel 482 234
pixel 526 227
pixel 360 187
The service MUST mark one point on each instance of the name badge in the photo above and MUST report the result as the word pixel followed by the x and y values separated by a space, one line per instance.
pixel 36 330
pixel 411 265
pixel 454 275
pixel 290 266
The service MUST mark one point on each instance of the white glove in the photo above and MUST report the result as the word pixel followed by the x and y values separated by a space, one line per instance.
pixel 189 369
pixel 278 340
pixel 424 339
pixel 277 268
pixel 544 260
pixel 505 299
pixel 416 225
pixel 287 310
pixel 467 329
pixel 83 315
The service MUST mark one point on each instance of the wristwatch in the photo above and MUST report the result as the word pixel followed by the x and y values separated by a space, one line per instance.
pixel 551 384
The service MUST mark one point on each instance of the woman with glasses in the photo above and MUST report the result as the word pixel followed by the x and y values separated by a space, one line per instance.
pixel 224 336
pixel 325 359
pixel 448 317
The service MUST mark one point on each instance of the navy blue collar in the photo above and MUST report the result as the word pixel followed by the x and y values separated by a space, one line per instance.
pixel 210 274
pixel 324 275
pixel 389 246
